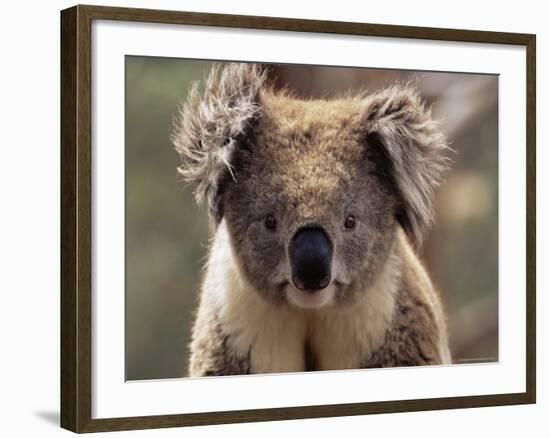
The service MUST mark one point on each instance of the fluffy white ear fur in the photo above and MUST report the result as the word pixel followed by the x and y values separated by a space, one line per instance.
pixel 400 123
pixel 208 124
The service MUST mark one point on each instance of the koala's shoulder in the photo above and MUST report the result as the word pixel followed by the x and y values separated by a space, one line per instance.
pixel 211 353
pixel 417 333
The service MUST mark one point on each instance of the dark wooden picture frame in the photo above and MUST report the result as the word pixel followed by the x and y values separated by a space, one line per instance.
pixel 76 218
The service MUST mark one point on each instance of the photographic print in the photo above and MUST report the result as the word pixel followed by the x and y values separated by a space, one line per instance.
pixel 291 219
pixel 284 218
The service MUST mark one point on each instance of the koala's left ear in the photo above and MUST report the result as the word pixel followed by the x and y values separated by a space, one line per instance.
pixel 401 126
pixel 209 124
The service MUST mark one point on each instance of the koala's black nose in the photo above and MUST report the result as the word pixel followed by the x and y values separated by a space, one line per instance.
pixel 310 259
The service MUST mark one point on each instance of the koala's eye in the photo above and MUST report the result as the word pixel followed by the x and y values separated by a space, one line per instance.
pixel 350 222
pixel 270 222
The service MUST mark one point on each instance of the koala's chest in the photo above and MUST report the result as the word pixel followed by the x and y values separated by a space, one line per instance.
pixel 293 342
pixel 278 345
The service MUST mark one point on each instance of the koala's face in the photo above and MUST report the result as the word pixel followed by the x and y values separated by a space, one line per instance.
pixel 311 212
pixel 311 191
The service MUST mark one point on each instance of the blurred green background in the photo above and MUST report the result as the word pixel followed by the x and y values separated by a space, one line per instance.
pixel 167 234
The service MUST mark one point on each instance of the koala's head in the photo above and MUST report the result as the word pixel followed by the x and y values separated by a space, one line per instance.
pixel 312 192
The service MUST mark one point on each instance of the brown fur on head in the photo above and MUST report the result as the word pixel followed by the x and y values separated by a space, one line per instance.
pixel 254 152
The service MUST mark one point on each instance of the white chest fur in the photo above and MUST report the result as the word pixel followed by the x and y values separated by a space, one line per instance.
pixel 276 336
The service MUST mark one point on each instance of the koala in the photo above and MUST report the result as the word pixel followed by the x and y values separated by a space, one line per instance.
pixel 318 207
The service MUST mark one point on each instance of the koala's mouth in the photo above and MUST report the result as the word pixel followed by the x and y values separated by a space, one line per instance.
pixel 307 299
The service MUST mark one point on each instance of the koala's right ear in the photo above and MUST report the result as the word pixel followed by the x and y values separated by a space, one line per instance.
pixel 401 127
pixel 208 125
